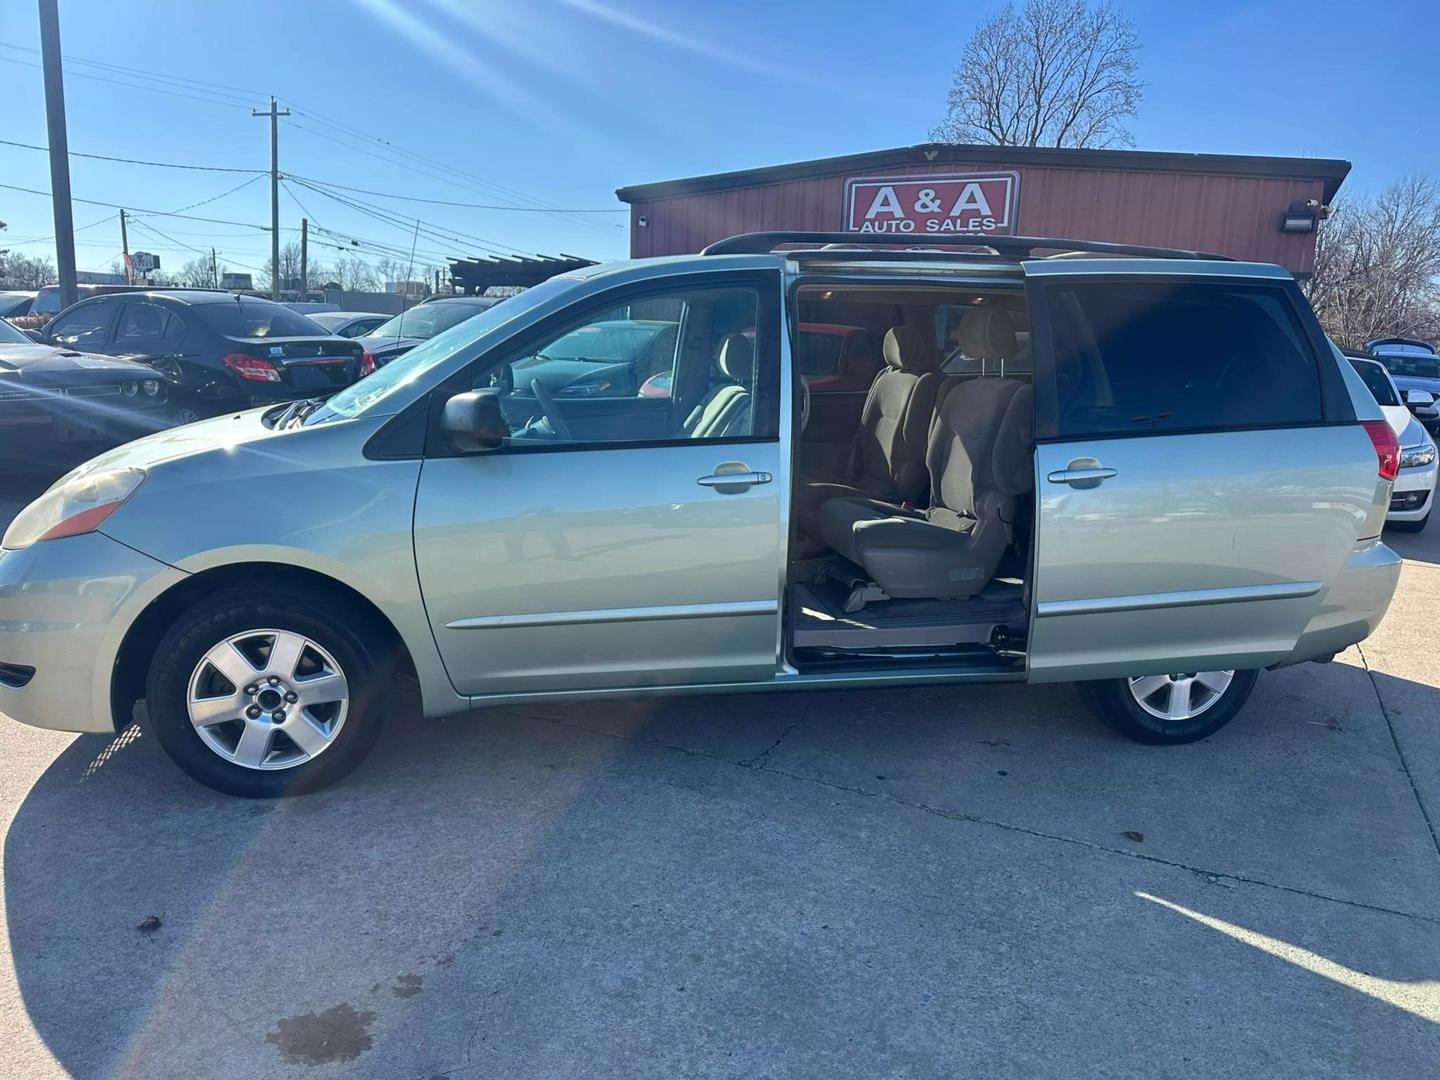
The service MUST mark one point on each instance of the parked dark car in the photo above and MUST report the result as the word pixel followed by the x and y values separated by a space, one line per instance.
pixel 1414 365
pixel 423 321
pixel 62 406
pixel 217 351
pixel 15 304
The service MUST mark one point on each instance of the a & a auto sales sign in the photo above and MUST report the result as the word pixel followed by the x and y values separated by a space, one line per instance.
pixel 932 204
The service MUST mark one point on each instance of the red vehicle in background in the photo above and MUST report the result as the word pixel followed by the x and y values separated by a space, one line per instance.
pixel 832 358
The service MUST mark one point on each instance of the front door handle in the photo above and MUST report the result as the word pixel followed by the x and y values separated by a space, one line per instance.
pixel 733 477
pixel 1081 473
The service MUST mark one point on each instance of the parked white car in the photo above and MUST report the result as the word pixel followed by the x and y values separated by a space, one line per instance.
pixel 1414 489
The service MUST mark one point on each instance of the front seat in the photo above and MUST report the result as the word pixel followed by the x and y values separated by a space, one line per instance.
pixel 985 333
pixel 981 460
pixel 725 408
pixel 887 459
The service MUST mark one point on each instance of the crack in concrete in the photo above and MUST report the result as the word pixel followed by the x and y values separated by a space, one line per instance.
pixel 1399 753
pixel 759 760
pixel 975 819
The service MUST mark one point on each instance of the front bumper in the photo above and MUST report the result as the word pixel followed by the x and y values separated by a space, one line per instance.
pixel 1352 606
pixel 1412 493
pixel 34 429
pixel 65 606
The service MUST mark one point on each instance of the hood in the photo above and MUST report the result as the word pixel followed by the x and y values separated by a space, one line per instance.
pixel 49 359
pixel 226 433
pixel 1411 434
pixel 1399 418
pixel 1418 382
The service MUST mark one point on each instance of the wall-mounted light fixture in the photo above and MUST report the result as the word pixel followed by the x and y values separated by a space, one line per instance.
pixel 1301 217
pixel 642 221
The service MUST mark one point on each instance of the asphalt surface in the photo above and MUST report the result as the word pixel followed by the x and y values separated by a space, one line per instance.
pixel 921 883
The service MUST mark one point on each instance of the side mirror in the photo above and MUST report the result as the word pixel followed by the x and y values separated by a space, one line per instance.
pixel 1419 397
pixel 473 421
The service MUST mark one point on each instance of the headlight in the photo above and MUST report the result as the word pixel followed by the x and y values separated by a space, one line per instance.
pixel 1417 455
pixel 150 387
pixel 129 389
pixel 72 507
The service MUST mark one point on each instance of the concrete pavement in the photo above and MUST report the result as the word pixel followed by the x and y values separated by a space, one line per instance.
pixel 922 883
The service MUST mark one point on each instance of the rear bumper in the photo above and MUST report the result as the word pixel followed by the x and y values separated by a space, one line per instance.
pixel 65 606
pixel 1353 604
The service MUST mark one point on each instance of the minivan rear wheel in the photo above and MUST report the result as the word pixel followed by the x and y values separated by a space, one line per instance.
pixel 1169 709
pixel 269 691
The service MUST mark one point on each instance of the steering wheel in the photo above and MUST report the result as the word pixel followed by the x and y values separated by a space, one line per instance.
pixel 552 414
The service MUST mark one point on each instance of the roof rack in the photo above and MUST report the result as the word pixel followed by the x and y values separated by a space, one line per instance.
pixel 759 243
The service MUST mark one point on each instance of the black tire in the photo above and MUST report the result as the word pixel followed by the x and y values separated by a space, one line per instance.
pixel 1112 701
pixel 340 627
pixel 1410 526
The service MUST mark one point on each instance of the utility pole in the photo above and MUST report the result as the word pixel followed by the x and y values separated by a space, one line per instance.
pixel 304 258
pixel 59 150
pixel 274 116
pixel 437 281
pixel 214 271
pixel 125 247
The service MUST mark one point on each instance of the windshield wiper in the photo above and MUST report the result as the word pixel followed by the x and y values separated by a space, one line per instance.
pixel 296 414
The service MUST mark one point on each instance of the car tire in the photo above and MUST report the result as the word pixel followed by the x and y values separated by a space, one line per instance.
pixel 294 729
pixel 1118 702
pixel 1411 526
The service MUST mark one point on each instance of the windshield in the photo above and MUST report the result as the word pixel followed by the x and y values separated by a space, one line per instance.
pixel 251 317
pixel 427 320
pixel 11 335
pixel 372 390
pixel 1422 367
pixel 1376 381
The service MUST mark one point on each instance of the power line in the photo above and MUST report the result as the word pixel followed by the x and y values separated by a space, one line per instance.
pixel 447 202
pixel 215 198
pixel 132 161
pixel 133 86
pixel 139 210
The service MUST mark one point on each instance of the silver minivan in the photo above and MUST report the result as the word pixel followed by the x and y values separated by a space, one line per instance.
pixel 1141 470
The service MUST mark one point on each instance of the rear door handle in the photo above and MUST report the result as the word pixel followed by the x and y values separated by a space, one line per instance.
pixel 1082 477
pixel 732 477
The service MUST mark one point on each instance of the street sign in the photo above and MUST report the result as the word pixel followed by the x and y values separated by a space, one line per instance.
pixel 142 262
pixel 934 204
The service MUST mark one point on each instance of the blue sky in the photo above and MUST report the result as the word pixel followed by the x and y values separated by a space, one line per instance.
pixel 555 103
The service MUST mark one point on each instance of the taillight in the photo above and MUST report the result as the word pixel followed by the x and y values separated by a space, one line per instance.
pixel 367 365
pixel 1387 447
pixel 251 367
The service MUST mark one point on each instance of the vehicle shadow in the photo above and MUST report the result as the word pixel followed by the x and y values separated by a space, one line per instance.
pixel 1415 547
pixel 772 883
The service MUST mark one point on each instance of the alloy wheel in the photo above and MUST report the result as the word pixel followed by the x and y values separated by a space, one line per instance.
pixel 268 699
pixel 1179 697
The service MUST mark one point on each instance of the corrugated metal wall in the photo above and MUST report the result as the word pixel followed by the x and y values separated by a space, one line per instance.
pixel 1232 215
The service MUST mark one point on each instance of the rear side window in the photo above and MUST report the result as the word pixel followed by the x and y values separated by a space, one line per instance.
pixel 246 317
pixel 1376 382
pixel 1179 356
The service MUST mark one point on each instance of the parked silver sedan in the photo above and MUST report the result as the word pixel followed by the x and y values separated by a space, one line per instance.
pixel 1149 474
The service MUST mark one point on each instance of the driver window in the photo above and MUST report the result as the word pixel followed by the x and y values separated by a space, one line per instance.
pixel 662 367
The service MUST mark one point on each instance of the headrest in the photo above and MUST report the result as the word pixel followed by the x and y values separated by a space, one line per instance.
pixel 1013 460
pixel 909 349
pixel 985 333
pixel 737 357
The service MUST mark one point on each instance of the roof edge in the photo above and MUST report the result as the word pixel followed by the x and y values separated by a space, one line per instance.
pixel 1331 171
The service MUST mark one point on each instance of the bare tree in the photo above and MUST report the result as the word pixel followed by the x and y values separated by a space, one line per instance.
pixel 1055 73
pixel 199 273
pixel 289 268
pixel 25 272
pixel 1377 263
pixel 354 274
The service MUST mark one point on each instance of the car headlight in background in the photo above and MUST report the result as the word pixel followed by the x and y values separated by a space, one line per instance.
pixel 72 507
pixel 129 389
pixel 150 387
pixel 1417 455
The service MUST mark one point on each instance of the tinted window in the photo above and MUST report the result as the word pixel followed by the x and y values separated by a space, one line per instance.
pixel 47 301
pixel 247 316
pixel 1179 357
pixel 819 353
pixel 1376 382
pixel 84 325
pixel 10 335
pixel 144 325
pixel 1417 366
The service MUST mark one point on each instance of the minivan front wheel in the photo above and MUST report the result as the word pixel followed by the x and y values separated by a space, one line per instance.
pixel 268 692
pixel 1169 709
